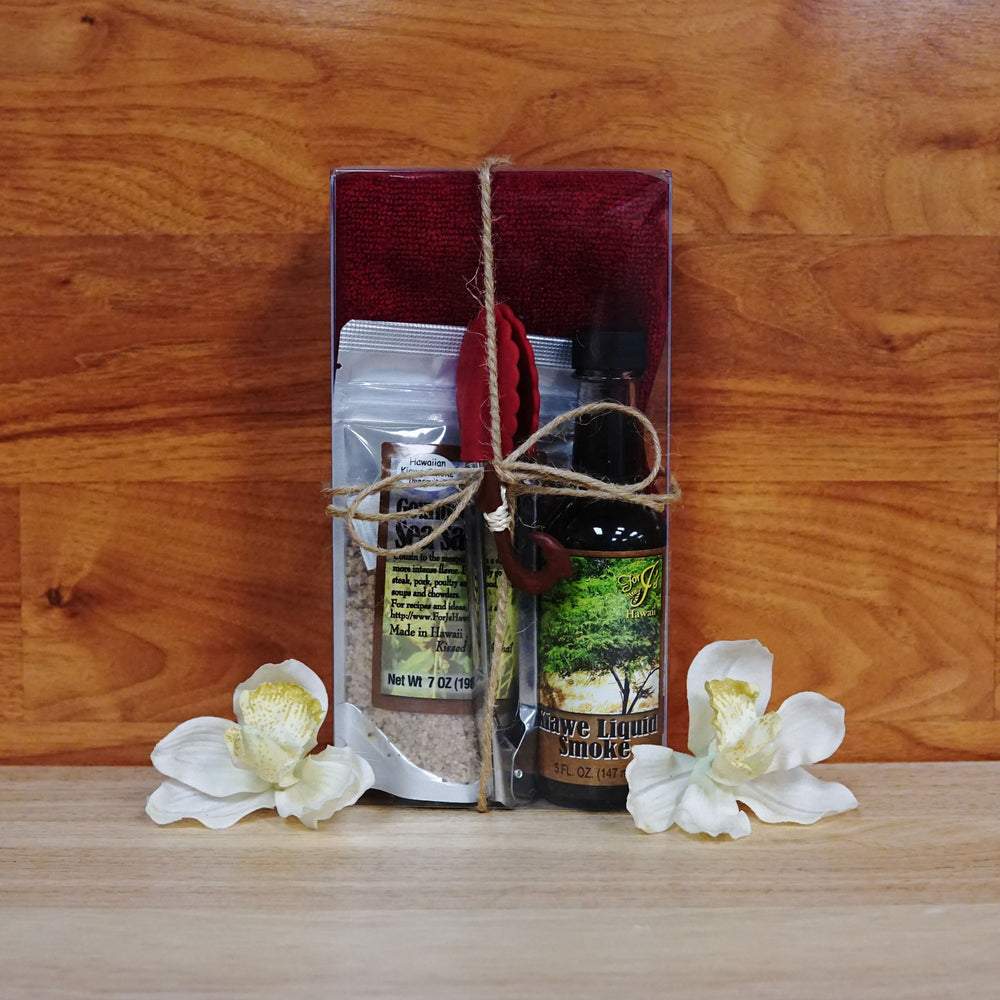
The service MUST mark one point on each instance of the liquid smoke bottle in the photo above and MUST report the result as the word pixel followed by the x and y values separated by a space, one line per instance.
pixel 600 634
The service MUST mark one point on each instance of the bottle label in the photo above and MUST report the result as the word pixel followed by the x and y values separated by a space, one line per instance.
pixel 421 653
pixel 600 657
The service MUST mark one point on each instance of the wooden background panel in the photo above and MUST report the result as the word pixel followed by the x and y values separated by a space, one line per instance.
pixel 880 595
pixel 921 740
pixel 208 358
pixel 164 343
pixel 782 116
pixel 158 590
pixel 197 358
pixel 836 359
pixel 144 603
pixel 80 743
pixel 11 675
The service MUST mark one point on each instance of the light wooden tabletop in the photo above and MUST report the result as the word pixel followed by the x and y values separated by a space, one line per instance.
pixel 899 899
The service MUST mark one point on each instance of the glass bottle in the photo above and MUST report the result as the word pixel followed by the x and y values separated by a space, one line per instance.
pixel 600 634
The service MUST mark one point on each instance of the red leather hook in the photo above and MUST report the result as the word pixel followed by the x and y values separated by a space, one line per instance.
pixel 557 565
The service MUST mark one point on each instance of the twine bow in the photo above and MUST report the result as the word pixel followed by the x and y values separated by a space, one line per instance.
pixel 516 476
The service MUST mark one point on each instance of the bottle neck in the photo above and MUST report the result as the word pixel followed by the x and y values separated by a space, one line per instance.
pixel 609 445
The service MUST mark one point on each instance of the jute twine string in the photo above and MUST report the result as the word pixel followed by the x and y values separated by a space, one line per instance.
pixel 500 519
pixel 516 477
pixel 486 169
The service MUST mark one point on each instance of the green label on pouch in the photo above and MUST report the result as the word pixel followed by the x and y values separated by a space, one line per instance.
pixel 422 647
pixel 600 651
pixel 425 642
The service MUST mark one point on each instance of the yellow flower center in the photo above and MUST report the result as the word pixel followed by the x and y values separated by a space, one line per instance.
pixel 280 721
pixel 746 742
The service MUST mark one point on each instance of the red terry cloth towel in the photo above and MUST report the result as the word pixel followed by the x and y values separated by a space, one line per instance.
pixel 574 249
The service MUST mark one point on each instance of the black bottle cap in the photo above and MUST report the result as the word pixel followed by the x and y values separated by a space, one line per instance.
pixel 610 352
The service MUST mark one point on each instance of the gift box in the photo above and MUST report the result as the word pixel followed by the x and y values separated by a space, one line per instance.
pixel 572 250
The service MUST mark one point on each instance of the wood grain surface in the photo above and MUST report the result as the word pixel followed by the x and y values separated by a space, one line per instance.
pixel 164 331
pixel 898 898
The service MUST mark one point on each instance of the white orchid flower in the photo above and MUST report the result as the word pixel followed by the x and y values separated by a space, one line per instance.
pixel 217 773
pixel 738 754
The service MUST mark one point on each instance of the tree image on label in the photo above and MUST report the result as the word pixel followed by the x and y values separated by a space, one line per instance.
pixel 600 636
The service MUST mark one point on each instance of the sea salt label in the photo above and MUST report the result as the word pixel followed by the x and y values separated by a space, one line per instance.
pixel 421 650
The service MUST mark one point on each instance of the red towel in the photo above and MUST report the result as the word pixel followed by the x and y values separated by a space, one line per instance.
pixel 573 249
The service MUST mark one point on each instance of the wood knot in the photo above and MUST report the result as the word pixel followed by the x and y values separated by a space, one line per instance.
pixel 55 597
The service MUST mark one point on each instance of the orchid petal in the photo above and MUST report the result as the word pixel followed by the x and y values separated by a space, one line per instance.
pixel 329 781
pixel 812 727
pixel 657 777
pixel 795 796
pixel 174 800
pixel 742 660
pixel 705 807
pixel 195 753
pixel 286 672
